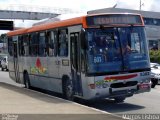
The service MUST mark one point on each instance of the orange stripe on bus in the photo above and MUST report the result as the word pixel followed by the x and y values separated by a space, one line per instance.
pixel 17 32
pixel 63 23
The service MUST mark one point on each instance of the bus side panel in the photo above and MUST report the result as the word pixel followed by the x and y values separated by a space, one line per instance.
pixel 11 67
pixel 53 73
pixel 43 78
pixel 30 67
pixel 21 64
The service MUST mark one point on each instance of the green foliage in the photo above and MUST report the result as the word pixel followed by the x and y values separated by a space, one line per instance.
pixel 155 56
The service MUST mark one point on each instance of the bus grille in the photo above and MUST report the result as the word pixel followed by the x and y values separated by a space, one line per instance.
pixel 126 84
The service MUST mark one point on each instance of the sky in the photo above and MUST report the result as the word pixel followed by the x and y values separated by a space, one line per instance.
pixel 78 5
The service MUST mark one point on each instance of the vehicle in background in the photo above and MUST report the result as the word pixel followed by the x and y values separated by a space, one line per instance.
pixel 4 63
pixel 0 61
pixel 155 74
pixel 2 56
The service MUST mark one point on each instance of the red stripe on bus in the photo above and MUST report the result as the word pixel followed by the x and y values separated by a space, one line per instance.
pixel 120 77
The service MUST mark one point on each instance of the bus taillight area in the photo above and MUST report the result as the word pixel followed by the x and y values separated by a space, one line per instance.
pixel 115 86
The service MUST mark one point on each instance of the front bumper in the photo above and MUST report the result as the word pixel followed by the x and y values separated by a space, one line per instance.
pixel 119 92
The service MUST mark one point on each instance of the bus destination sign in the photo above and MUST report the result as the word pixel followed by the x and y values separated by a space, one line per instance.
pixel 113 19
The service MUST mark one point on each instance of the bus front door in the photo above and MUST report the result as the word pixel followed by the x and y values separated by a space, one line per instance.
pixel 15 62
pixel 75 64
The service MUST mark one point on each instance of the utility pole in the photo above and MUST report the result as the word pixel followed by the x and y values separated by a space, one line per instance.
pixel 140 5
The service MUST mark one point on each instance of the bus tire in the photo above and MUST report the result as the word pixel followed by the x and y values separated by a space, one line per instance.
pixel 68 89
pixel 2 68
pixel 153 85
pixel 27 81
pixel 119 99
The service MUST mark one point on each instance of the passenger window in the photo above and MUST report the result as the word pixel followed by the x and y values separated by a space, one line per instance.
pixel 63 43
pixel 20 46
pixel 26 45
pixel 52 43
pixel 10 46
pixel 135 42
pixel 34 44
pixel 42 44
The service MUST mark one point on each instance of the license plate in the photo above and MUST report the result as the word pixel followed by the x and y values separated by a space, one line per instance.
pixel 143 86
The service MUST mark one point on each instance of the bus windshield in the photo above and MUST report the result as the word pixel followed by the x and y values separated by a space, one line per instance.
pixel 116 49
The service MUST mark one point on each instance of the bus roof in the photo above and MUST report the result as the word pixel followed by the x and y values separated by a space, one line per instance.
pixel 63 23
pixel 68 22
pixel 17 32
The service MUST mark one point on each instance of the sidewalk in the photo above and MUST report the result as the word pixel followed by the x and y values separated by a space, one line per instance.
pixel 28 104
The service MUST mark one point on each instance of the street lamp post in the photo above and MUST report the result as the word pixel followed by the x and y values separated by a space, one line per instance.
pixel 140 5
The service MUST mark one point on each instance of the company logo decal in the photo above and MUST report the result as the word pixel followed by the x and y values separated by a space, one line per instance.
pixel 38 68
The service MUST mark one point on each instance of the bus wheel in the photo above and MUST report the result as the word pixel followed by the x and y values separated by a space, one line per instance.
pixel 119 99
pixel 2 68
pixel 68 89
pixel 153 85
pixel 26 81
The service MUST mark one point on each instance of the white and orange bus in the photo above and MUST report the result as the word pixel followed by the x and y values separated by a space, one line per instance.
pixel 90 57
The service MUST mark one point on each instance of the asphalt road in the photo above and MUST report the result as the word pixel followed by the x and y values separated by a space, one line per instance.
pixel 144 103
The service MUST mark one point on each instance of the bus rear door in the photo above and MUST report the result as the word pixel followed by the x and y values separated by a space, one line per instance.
pixel 15 59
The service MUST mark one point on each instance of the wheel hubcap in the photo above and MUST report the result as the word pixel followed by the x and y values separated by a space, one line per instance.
pixel 27 84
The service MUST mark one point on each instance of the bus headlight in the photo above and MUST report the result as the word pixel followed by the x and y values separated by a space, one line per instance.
pixel 105 85
pixel 101 84
pixel 147 80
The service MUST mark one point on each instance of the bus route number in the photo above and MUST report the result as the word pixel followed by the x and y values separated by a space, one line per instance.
pixel 98 59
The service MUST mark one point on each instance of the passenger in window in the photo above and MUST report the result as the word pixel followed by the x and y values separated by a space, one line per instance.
pixel 63 44
pixel 100 48
pixel 113 51
pixel 51 49
pixel 49 44
pixel 101 45
pixel 63 49
pixel 126 49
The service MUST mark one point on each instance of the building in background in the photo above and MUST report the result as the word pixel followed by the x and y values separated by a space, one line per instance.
pixel 151 20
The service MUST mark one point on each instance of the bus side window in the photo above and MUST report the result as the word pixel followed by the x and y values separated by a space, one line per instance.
pixel 33 44
pixel 63 43
pixel 10 46
pixel 47 43
pixel 82 61
pixel 42 44
pixel 20 45
pixel 52 39
pixel 26 45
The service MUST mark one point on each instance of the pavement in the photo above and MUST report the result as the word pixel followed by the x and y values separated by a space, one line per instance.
pixel 24 104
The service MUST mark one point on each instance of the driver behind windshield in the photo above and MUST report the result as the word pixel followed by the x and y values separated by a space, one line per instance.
pixel 105 47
